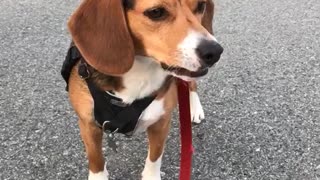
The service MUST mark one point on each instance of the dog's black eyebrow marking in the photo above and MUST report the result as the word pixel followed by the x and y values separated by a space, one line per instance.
pixel 128 4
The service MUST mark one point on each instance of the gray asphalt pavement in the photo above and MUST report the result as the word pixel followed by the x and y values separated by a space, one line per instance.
pixel 262 100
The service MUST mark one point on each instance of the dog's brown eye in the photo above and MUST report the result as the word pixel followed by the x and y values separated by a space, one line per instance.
pixel 201 6
pixel 156 14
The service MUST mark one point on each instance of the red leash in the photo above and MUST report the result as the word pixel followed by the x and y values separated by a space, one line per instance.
pixel 185 130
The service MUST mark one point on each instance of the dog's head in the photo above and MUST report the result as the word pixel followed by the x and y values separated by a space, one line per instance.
pixel 176 33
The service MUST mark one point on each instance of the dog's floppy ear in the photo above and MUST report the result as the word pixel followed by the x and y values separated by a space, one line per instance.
pixel 99 30
pixel 208 16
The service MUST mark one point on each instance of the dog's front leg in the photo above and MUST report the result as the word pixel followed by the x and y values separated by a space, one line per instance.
pixel 92 139
pixel 157 135
pixel 197 114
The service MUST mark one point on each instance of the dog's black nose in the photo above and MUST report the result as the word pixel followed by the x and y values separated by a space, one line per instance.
pixel 209 52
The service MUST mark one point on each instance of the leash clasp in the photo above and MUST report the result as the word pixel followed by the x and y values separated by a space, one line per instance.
pixel 110 136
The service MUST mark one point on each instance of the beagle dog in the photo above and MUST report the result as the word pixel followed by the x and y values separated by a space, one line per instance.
pixel 135 49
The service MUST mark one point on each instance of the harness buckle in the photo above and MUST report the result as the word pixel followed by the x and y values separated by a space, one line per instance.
pixel 83 70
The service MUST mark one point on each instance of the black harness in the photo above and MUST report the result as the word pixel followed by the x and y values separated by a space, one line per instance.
pixel 110 112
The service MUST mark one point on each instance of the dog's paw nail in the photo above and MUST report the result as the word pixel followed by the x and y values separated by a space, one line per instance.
pixel 197 117
pixel 196 121
pixel 201 116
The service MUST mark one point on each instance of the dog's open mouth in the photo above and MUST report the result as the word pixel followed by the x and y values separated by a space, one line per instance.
pixel 184 72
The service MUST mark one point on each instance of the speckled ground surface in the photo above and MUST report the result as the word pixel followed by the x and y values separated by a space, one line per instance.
pixel 262 100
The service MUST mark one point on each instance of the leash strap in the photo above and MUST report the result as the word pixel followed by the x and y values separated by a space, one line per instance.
pixel 185 130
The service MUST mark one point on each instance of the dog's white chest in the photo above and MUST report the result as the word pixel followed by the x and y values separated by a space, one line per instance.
pixel 150 115
pixel 145 77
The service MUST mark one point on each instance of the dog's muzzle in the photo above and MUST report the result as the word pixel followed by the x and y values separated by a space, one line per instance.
pixel 208 52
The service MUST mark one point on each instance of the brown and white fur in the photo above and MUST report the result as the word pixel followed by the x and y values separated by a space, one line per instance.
pixel 138 48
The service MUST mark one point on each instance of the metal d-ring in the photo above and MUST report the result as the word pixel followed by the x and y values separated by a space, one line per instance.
pixel 104 130
pixel 103 125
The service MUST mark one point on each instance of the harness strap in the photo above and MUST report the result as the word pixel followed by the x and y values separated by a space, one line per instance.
pixel 110 112
pixel 73 56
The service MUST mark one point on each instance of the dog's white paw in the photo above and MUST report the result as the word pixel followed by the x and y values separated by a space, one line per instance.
pixel 150 174
pixel 151 170
pixel 104 175
pixel 146 177
pixel 197 113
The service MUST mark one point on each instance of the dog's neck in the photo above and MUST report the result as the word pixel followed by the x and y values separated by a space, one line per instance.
pixel 144 78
